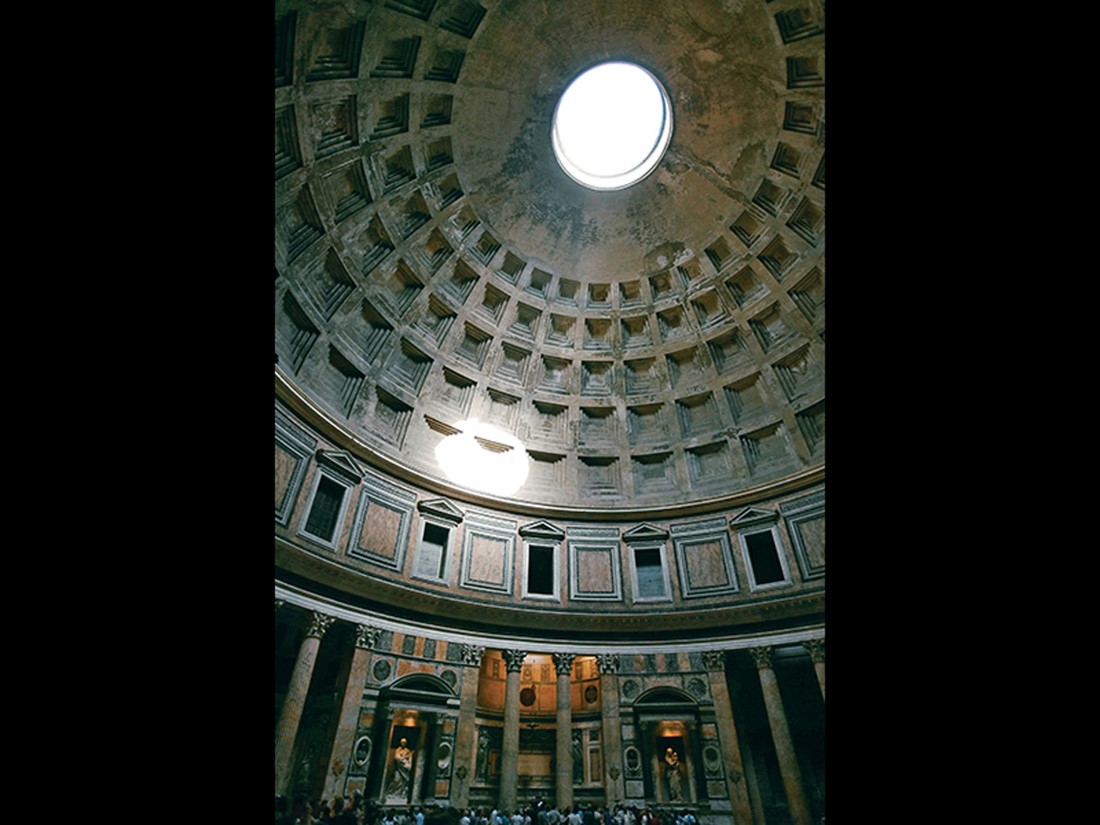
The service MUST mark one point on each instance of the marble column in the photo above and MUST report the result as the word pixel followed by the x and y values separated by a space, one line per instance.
pixel 291 715
pixel 781 736
pixel 608 664
pixel 465 765
pixel 509 750
pixel 424 761
pixel 736 788
pixel 816 647
pixel 344 743
pixel 563 775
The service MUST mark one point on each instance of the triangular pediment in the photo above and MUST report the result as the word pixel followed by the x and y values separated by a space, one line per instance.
pixel 341 463
pixel 754 515
pixel 441 508
pixel 542 530
pixel 645 532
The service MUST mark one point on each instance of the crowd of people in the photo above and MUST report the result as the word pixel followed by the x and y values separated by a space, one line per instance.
pixel 356 810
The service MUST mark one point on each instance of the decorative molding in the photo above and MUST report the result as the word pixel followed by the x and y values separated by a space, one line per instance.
pixel 377 493
pixel 754 516
pixel 342 464
pixel 299 445
pixel 607 662
pixel 513 659
pixel 367 636
pixel 699 576
pixel 563 662
pixel 542 530
pixel 798 515
pixel 471 655
pixel 599 546
pixel 319 623
pixel 645 532
pixel 816 649
pixel 441 508
pixel 477 557
pixel 715 660
pixel 762 656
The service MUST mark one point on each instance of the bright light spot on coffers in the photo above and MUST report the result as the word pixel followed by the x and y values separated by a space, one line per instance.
pixel 484 458
pixel 611 126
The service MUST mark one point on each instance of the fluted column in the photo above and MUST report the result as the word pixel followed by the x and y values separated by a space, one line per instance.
pixel 608 664
pixel 366 637
pixel 464 736
pixel 563 664
pixel 509 749
pixel 781 735
pixel 715 661
pixel 291 715
pixel 816 647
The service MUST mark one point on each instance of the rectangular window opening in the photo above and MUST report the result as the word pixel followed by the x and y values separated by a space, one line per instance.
pixel 651 579
pixel 431 559
pixel 766 567
pixel 325 510
pixel 540 570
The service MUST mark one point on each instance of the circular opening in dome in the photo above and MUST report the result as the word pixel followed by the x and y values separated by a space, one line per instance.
pixel 611 126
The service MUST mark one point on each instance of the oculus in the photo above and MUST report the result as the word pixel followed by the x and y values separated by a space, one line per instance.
pixel 611 126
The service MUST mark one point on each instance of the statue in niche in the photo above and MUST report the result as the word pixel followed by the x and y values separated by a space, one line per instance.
pixel 402 770
pixel 672 776
pixel 578 759
pixel 305 767
pixel 482 772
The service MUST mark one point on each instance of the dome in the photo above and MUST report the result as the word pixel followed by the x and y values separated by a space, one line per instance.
pixel 516 410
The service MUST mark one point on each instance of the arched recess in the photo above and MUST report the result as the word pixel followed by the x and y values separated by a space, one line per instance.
pixel 671 746
pixel 416 741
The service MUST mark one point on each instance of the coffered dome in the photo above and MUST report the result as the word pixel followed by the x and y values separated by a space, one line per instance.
pixel 657 346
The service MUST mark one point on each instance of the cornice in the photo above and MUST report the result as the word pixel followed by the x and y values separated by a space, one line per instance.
pixel 337 433
pixel 442 630
pixel 459 611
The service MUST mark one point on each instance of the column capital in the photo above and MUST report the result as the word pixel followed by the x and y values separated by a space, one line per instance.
pixel 367 636
pixel 607 662
pixel 714 659
pixel 762 656
pixel 816 648
pixel 513 660
pixel 471 655
pixel 563 662
pixel 319 624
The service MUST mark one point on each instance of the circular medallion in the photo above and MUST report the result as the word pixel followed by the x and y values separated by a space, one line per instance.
pixel 382 670
pixel 591 694
pixel 630 688
pixel 449 677
pixel 527 697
